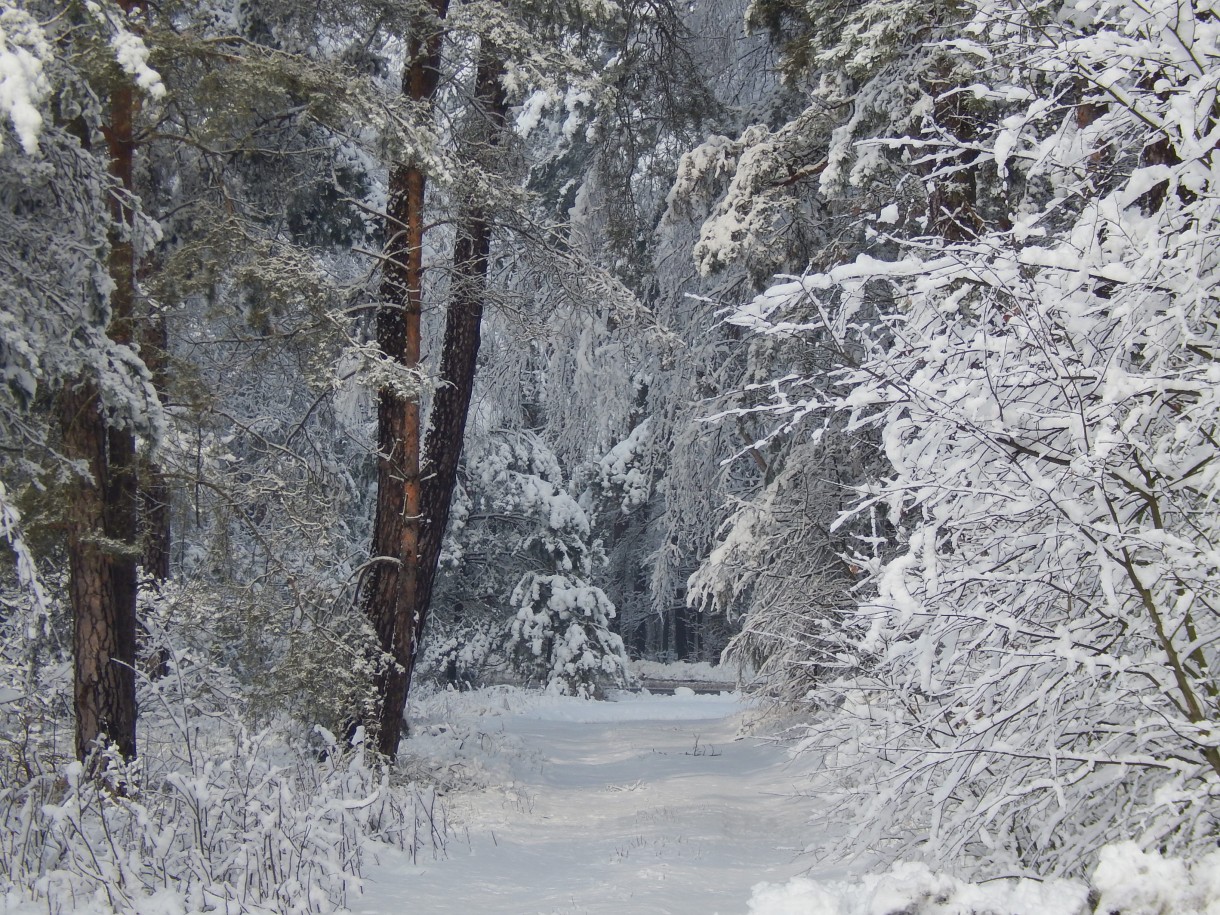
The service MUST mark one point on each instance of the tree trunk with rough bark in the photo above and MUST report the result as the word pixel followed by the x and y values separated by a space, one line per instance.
pixel 103 536
pixel 389 595
pixel 953 197
pixel 413 507
pixel 102 579
pixel 459 356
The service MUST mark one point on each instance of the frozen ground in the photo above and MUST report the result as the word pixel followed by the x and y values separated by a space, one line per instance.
pixel 657 804
pixel 652 804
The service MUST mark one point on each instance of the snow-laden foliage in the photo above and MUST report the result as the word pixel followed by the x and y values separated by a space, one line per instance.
pixel 272 559
pixel 1045 389
pixel 622 474
pixel 626 378
pixel 781 569
pixel 758 205
pixel 557 628
pixel 53 221
pixel 562 628
pixel 24 51
pixel 54 218
pixel 465 651
pixel 214 817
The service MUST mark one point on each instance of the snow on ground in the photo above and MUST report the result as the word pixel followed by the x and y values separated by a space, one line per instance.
pixel 649 804
pixel 913 889
pixel 657 804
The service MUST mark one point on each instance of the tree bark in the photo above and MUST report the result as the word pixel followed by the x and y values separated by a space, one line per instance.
pixel 414 507
pixel 389 600
pixel 102 538
pixel 102 581
pixel 953 196
pixel 459 356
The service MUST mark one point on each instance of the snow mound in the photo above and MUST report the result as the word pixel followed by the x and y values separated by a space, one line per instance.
pixel 1136 882
pixel 914 889
pixel 1127 881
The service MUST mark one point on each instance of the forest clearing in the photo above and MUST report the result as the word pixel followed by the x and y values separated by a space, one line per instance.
pixel 610 455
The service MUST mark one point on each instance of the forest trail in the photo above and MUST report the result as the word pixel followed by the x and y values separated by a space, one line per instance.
pixel 647 805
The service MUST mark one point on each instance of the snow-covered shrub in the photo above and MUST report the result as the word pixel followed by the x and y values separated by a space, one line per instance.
pixel 35 679
pixel 1126 881
pixel 213 817
pixel 315 665
pixel 255 830
pixel 562 634
pixel 1046 391
pixel 526 565
pixel 463 654
pixel 327 670
pixel 910 888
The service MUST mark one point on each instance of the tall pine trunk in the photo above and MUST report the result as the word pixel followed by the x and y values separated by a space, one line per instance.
pixel 103 536
pixel 413 508
pixel 460 350
pixel 389 600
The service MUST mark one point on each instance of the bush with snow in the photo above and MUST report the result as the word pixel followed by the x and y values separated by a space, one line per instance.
pixel 464 652
pixel 262 828
pixel 1041 628
pixel 1127 881
pixel 562 634
pixel 214 816
pixel 914 889
pixel 520 588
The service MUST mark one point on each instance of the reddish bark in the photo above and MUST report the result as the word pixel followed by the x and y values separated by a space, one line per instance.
pixel 415 511
pixel 102 538
pixel 459 357
pixel 389 599
pixel 102 579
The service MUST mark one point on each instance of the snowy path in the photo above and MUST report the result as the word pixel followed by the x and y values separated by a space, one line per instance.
pixel 648 805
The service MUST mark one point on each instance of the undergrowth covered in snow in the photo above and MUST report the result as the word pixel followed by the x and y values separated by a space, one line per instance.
pixel 215 817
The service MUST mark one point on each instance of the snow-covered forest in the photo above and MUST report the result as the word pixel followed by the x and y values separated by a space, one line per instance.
pixel 359 357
